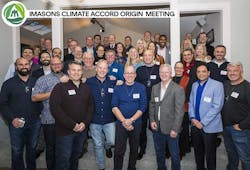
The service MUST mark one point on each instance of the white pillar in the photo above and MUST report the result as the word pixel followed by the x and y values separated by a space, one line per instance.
pixel 57 31
pixel 175 34
pixel 16 44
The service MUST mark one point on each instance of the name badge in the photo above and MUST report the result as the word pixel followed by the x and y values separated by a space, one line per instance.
pixel 115 70
pixel 156 99
pixel 235 95
pixel 207 99
pixel 153 77
pixel 157 63
pixel 71 92
pixel 136 96
pixel 110 90
pixel 223 72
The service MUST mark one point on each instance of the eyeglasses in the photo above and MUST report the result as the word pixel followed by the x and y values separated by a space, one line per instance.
pixel 129 73
pixel 56 64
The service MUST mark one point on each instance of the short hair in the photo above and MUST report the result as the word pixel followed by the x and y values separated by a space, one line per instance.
pixel 235 64
pixel 100 45
pixel 148 32
pixel 220 45
pixel 85 53
pixel 203 64
pixel 128 37
pixel 20 58
pixel 178 62
pixel 74 62
pixel 55 49
pixel 40 55
pixel 110 51
pixel 202 33
pixel 167 66
pixel 98 35
pixel 101 61
pixel 163 35
pixel 28 48
pixel 126 67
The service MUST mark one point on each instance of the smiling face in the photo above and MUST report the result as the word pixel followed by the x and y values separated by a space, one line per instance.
pixel 148 57
pixel 129 75
pixel 165 73
pixel 28 54
pixel 22 66
pixel 88 59
pixel 220 53
pixel 102 69
pixel 234 73
pixel 187 56
pixel 56 65
pixel 75 71
pixel 202 73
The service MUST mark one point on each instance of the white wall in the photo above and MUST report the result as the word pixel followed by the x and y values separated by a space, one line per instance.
pixel 240 27
pixel 80 35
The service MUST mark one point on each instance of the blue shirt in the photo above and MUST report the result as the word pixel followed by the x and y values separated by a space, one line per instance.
pixel 130 99
pixel 46 84
pixel 198 99
pixel 15 100
pixel 102 93
pixel 116 70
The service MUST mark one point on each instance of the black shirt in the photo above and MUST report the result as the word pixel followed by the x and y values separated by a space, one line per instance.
pixel 15 100
pixel 236 109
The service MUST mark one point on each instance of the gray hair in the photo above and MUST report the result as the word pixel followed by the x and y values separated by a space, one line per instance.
pixel 167 66
pixel 235 64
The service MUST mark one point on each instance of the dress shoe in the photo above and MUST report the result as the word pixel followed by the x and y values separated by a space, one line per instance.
pixel 109 153
pixel 38 153
pixel 140 155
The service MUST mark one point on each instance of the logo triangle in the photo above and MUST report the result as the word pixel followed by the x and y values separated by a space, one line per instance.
pixel 14 13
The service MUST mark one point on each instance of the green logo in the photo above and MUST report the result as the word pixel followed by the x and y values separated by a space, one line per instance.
pixel 13 13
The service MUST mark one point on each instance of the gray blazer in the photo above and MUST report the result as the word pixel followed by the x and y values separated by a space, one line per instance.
pixel 172 107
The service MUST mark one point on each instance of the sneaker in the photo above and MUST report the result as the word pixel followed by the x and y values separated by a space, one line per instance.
pixel 109 153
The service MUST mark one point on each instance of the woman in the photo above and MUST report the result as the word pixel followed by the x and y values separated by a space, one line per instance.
pixel 133 58
pixel 100 51
pixel 120 54
pixel 88 68
pixel 141 47
pixel 201 53
pixel 182 80
pixel 158 59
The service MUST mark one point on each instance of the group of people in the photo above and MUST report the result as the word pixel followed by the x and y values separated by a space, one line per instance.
pixel 113 92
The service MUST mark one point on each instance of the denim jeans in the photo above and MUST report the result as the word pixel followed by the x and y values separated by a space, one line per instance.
pixel 100 142
pixel 69 149
pixel 121 136
pixel 50 142
pixel 237 145
pixel 27 137
pixel 160 142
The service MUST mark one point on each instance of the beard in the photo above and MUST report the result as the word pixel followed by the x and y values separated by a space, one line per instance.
pixel 23 72
pixel 45 62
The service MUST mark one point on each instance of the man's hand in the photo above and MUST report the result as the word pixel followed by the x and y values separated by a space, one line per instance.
pixel 173 134
pixel 127 123
pixel 119 82
pixel 237 127
pixel 197 123
pixel 112 77
pixel 79 127
pixel 64 79
pixel 17 123
pixel 154 125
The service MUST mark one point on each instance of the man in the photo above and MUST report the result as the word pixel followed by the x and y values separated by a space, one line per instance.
pixel 28 53
pixel 127 44
pixel 218 66
pixel 115 70
pixel 106 42
pixel 148 75
pixel 103 121
pixel 41 93
pixel 77 54
pixel 97 40
pixel 163 49
pixel 71 105
pixel 44 61
pixel 156 38
pixel 236 117
pixel 129 102
pixel 72 46
pixel 147 37
pixel 48 45
pixel 67 50
pixel 112 42
pixel 202 39
pixel 57 52
pixel 205 104
pixel 22 115
pixel 166 111
pixel 89 46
